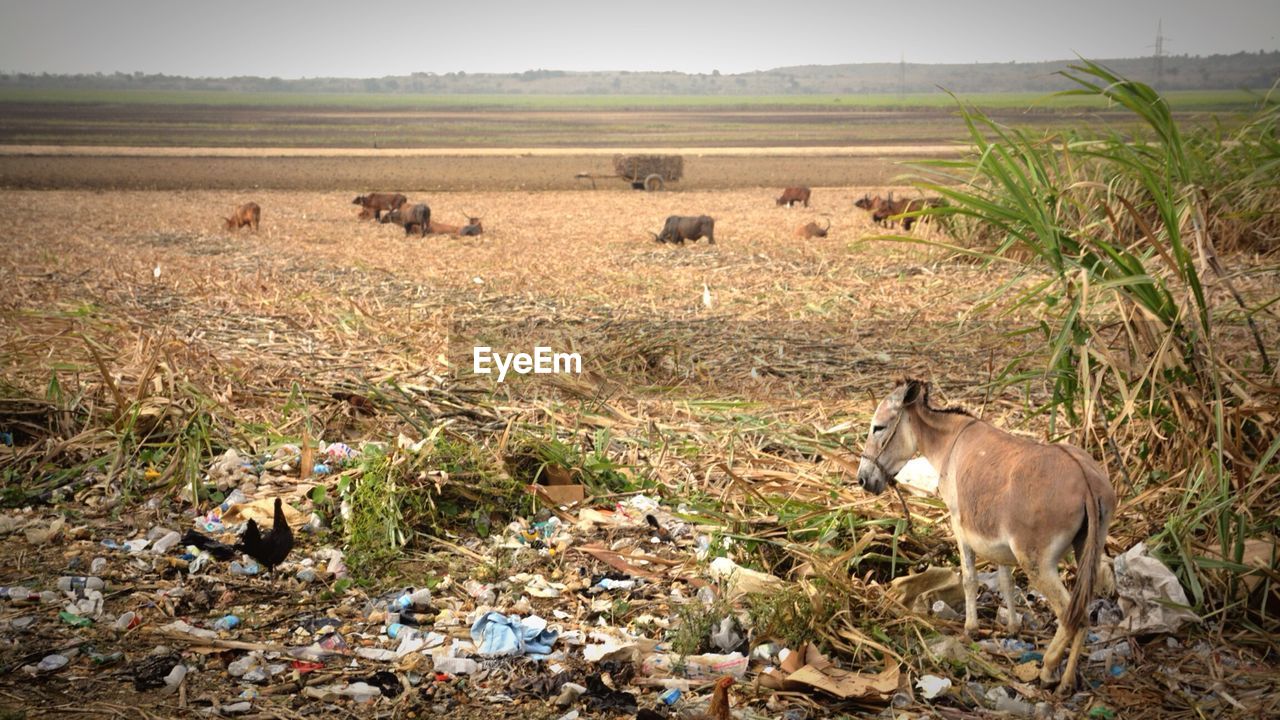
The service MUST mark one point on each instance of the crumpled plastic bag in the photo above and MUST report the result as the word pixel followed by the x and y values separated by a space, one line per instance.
pixel 727 638
pixel 1150 596
pixel 741 581
pixel 496 634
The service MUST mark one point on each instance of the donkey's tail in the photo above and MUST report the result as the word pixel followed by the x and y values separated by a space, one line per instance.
pixel 1089 560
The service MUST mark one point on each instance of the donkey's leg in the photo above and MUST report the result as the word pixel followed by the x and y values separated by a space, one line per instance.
pixel 1010 599
pixel 969 579
pixel 1073 659
pixel 1045 578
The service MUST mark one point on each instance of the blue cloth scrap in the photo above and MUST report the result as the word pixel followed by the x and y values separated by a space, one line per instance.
pixel 496 634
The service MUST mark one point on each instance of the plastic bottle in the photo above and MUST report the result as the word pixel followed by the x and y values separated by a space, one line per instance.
pixel 400 631
pixel 79 583
pixel 52 662
pixel 225 623
pixel 20 594
pixel 412 599
pixel 167 541
pixel 240 666
pixel 362 692
pixel 378 654
pixel 175 676
pixel 249 568
pixel 235 498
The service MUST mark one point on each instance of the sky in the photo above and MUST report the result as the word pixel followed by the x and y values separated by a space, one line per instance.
pixel 292 39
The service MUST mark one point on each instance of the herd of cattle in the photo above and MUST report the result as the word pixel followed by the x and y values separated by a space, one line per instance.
pixel 383 207
pixel 395 208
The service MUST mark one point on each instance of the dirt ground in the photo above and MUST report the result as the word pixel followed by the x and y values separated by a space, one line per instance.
pixel 747 339
pixel 512 171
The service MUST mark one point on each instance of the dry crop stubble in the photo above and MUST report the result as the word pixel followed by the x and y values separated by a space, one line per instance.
pixel 558 255
pixel 798 337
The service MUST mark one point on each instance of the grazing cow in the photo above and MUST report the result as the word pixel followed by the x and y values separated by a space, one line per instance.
pixel 380 203
pixel 793 195
pixel 811 230
pixel 408 217
pixel 679 228
pixel 890 208
pixel 245 215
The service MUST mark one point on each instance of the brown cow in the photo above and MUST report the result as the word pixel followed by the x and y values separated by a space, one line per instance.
pixel 890 208
pixel 245 215
pixel 380 203
pixel 679 228
pixel 408 217
pixel 811 230
pixel 793 195
pixel 366 214
pixel 866 202
pixel 472 228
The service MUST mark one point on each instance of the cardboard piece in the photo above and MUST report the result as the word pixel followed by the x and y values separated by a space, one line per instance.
pixel 808 669
pixel 564 494
pixel 262 511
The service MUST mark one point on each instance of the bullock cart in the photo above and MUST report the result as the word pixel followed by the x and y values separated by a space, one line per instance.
pixel 644 172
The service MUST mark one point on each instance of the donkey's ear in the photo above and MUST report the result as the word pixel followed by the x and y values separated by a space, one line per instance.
pixel 915 391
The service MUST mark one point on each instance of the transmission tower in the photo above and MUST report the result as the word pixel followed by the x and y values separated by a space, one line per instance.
pixel 1159 54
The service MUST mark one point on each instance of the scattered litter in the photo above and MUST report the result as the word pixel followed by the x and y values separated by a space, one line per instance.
pixel 807 669
pixel 931 686
pixel 496 634
pixel 1002 701
pixel 1150 597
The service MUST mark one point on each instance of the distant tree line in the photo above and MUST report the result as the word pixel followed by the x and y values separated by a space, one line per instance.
pixel 1258 70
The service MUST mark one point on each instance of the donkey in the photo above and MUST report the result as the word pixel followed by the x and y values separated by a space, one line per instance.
pixel 1013 501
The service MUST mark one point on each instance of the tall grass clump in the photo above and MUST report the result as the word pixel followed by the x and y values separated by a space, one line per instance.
pixel 1153 353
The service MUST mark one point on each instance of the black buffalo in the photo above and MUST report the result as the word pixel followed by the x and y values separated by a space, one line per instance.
pixel 679 228
pixel 409 216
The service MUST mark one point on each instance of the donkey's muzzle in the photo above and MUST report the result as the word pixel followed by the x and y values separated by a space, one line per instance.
pixel 871 478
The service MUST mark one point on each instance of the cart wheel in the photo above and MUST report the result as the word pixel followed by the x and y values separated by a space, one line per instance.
pixel 653 183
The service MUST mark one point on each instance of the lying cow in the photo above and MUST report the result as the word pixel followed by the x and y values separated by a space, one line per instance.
pixel 471 229
pixel 892 208
pixel 409 216
pixel 679 228
pixel 811 230
pixel 245 215
pixel 793 195
pixel 380 203
pixel 366 214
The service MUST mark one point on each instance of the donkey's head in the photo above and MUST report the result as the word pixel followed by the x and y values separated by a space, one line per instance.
pixel 892 440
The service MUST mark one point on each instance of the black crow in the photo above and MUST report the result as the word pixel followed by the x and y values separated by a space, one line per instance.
pixel 272 548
